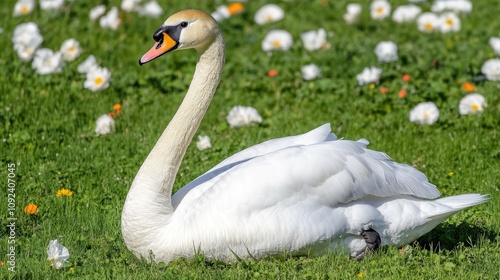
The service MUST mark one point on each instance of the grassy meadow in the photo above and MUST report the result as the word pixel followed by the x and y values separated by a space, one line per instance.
pixel 47 127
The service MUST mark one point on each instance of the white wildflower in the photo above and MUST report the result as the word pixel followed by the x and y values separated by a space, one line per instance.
pixel 49 5
pixel 97 79
pixel 449 22
pixel 310 72
pixel 23 7
pixel 97 12
pixel 314 39
pixel 203 142
pixel 353 13
pixel 424 113
pixel 269 13
pixel 47 61
pixel 386 51
pixel 457 6
pixel 491 69
pixel 406 13
pixel 88 64
pixel 57 254
pixel 104 124
pixel 130 5
pixel 151 9
pixel 369 75
pixel 428 22
pixel 70 49
pixel 471 104
pixel 495 44
pixel 277 40
pixel 380 9
pixel 240 116
pixel 111 19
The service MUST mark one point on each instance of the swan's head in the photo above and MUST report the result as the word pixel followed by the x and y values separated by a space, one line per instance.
pixel 188 29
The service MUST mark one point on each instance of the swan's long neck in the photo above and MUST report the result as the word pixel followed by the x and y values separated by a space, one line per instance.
pixel 148 205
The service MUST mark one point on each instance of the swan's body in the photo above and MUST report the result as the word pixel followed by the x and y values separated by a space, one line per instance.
pixel 305 194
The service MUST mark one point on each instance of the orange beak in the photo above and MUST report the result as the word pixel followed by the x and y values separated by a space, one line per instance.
pixel 159 48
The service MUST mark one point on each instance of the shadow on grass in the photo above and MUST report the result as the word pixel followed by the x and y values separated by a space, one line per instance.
pixel 451 237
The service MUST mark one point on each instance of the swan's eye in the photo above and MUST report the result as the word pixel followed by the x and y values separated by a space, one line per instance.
pixel 184 24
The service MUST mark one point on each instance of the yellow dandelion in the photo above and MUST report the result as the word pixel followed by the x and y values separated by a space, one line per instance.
pixel 30 209
pixel 451 173
pixel 64 192
pixel 361 275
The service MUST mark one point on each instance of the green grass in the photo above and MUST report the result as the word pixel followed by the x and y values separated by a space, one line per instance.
pixel 47 126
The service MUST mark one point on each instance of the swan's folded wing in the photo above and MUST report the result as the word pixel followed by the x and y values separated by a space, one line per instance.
pixel 326 174
pixel 317 135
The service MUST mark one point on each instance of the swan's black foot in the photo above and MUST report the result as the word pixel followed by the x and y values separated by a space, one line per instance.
pixel 372 239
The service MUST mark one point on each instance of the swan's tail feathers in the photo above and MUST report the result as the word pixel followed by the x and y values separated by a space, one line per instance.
pixel 459 202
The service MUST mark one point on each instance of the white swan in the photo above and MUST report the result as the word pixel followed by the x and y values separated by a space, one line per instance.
pixel 305 194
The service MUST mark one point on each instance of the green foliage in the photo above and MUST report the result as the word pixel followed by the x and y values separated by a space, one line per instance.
pixel 47 127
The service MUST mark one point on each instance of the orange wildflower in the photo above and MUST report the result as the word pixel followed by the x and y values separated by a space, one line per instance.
pixel 468 87
pixel 235 8
pixel 272 73
pixel 406 77
pixel 30 209
pixel 383 90
pixel 402 93
pixel 117 108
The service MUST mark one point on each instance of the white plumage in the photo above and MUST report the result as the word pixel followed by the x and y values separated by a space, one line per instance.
pixel 305 194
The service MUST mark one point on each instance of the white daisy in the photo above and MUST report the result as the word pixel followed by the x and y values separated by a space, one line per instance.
pixel 23 7
pixel 428 22
pixel 491 69
pixel 97 79
pixel 47 61
pixel 24 34
pixel 111 19
pixel 221 13
pixel 240 116
pixel 203 142
pixel 49 5
pixel 471 104
pixel 70 49
pixel 26 39
pixel 97 12
pixel 353 13
pixel 277 40
pixel 130 5
pixel 26 52
pixel 386 51
pixel 314 39
pixel 88 64
pixel 57 254
pixel 104 124
pixel 424 113
pixel 458 6
pixel 380 9
pixel 310 72
pixel 151 9
pixel 495 44
pixel 369 75
pixel 449 22
pixel 269 13
pixel 406 13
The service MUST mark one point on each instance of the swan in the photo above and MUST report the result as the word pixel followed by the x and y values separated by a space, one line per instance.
pixel 308 194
